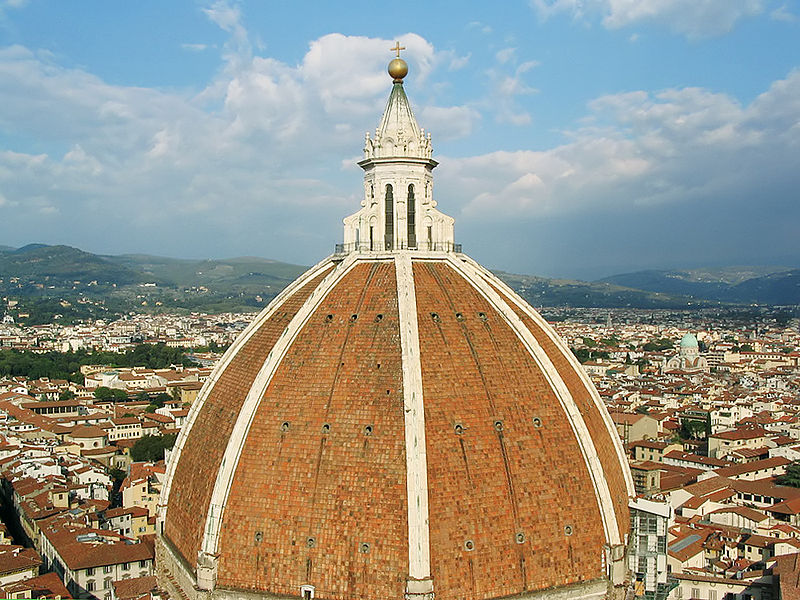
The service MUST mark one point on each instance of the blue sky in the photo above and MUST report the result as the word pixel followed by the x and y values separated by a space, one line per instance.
pixel 576 138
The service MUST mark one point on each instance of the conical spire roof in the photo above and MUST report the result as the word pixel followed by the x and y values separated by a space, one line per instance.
pixel 398 134
pixel 398 122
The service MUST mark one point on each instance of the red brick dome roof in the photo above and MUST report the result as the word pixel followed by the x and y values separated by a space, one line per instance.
pixel 395 423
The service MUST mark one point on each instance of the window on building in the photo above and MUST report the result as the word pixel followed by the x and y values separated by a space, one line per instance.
pixel 107 569
pixel 142 564
pixel 90 586
pixel 411 217
pixel 695 592
pixel 107 584
pixel 126 566
pixel 90 571
pixel 712 594
pixel 389 217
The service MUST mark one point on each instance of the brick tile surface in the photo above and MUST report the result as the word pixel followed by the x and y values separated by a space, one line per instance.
pixel 199 462
pixel 591 415
pixel 503 484
pixel 305 499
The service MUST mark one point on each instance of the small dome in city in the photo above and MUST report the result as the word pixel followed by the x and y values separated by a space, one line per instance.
pixel 689 341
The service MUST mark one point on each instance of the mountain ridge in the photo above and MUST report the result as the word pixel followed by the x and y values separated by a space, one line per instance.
pixel 740 285
pixel 66 280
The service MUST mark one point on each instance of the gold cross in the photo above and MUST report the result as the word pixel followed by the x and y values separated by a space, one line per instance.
pixel 397 48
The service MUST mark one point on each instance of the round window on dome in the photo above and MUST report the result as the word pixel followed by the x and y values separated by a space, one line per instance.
pixel 469 545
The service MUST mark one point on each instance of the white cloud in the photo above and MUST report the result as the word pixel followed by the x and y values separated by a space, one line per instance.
pixel 782 13
pixel 251 148
pixel 195 47
pixel 482 27
pixel 505 55
pixel 459 62
pixel 693 18
pixel 675 147
pixel 450 122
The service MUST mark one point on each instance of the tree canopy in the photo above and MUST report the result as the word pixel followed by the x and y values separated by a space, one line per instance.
pixel 792 475
pixel 67 365
pixel 151 448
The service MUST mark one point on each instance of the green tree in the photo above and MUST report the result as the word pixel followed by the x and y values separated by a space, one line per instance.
pixel 151 447
pixel 66 395
pixel 103 393
pixel 117 476
pixel 657 345
pixel 692 429
pixel 792 475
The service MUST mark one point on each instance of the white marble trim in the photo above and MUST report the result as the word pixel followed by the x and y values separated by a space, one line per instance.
pixel 419 561
pixel 250 406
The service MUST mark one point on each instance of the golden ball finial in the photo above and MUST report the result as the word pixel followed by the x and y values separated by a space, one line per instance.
pixel 398 69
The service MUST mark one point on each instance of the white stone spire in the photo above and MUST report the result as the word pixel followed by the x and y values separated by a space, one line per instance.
pixel 398 210
pixel 398 134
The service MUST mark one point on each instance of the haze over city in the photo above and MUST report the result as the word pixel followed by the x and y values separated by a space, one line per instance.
pixel 575 139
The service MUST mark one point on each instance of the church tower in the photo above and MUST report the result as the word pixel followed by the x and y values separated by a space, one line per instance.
pixel 398 210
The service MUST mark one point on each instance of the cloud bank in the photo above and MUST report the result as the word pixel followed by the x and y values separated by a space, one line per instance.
pixel 260 161
pixel 693 18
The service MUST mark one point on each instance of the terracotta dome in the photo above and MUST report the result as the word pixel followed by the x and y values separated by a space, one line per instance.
pixel 397 423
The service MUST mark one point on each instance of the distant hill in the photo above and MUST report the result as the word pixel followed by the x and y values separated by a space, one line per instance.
pixel 66 281
pixel 61 266
pixel 54 282
pixel 542 291
pixel 187 272
pixel 762 285
pixel 775 288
